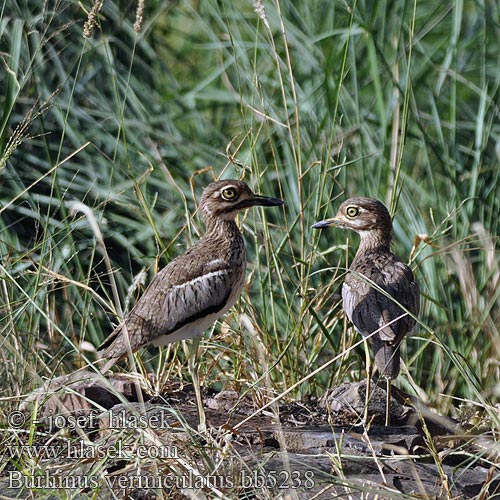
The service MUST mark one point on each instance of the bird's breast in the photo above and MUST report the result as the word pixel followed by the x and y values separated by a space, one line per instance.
pixel 239 270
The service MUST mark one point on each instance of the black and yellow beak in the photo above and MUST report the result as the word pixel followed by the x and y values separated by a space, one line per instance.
pixel 327 222
pixel 260 201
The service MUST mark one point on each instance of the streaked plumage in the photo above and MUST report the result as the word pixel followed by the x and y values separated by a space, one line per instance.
pixel 377 284
pixel 192 291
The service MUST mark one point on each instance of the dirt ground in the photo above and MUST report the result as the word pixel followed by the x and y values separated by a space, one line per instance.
pixel 315 448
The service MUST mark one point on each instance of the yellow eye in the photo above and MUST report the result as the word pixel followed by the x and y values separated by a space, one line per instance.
pixel 229 193
pixel 352 211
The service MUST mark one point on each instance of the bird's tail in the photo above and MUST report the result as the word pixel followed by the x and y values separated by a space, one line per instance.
pixel 387 359
pixel 109 363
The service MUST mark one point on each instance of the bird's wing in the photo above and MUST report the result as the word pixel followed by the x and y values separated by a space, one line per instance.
pixel 372 310
pixel 170 302
pixel 195 298
pixel 402 288
pixel 361 304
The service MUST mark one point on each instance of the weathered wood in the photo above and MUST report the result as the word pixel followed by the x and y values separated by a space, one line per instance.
pixel 301 451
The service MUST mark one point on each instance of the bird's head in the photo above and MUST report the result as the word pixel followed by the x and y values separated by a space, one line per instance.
pixel 224 199
pixel 363 215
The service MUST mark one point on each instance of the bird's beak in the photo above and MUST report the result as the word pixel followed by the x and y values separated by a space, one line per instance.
pixel 327 222
pixel 262 201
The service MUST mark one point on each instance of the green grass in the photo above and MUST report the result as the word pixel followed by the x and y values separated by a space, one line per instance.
pixel 314 102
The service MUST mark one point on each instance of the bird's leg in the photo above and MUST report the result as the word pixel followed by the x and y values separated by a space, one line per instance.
pixel 388 402
pixel 368 380
pixel 194 372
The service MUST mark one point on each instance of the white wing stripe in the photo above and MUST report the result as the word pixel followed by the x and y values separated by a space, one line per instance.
pixel 216 262
pixel 200 278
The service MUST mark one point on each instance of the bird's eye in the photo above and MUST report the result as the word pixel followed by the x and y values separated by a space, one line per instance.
pixel 229 193
pixel 352 211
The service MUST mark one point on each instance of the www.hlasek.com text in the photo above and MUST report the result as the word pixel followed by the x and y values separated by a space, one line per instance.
pixel 83 450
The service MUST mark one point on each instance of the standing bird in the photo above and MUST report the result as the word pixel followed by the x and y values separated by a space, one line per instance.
pixel 192 291
pixel 380 295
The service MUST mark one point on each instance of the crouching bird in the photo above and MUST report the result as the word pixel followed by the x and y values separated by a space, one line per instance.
pixel 380 295
pixel 188 295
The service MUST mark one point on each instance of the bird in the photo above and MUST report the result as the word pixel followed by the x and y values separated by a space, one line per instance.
pixel 380 295
pixel 196 288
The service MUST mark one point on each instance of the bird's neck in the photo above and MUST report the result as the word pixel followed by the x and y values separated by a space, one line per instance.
pixel 374 240
pixel 223 228
pixel 225 238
